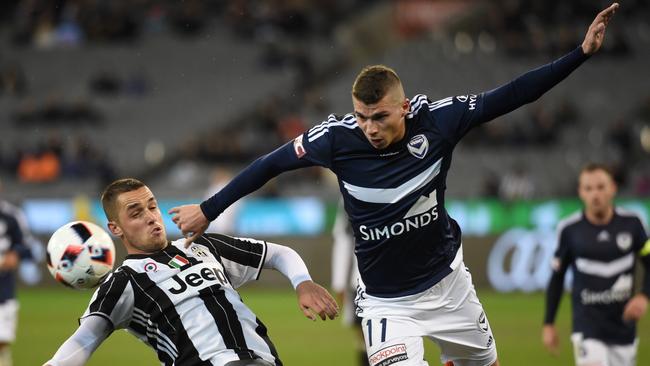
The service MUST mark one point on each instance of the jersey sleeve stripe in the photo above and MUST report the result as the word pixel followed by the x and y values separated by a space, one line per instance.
pixel 420 100
pixel 246 252
pixel 349 122
pixel 259 268
pixel 326 130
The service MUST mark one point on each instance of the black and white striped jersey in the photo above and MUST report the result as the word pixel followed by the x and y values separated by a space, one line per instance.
pixel 182 302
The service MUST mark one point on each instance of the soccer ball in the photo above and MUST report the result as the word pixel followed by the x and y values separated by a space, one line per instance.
pixel 80 254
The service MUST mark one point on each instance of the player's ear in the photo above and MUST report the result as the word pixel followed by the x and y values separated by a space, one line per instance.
pixel 114 229
pixel 406 106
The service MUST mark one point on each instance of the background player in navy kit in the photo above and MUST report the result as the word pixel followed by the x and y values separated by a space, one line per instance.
pixel 181 301
pixel 12 251
pixel 391 157
pixel 601 245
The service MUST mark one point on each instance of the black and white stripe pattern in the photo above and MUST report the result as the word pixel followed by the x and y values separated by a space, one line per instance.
pixel 141 323
pixel 191 315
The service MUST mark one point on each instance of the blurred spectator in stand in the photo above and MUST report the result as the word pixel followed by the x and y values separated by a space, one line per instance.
pixel 106 83
pixel 620 134
pixel 13 81
pixel 516 184
pixel 490 188
pixel 39 167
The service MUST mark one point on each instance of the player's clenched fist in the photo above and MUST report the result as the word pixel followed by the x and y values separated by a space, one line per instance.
pixel 314 299
pixel 190 221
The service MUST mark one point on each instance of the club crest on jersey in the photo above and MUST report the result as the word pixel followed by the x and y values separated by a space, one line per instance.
pixel 482 322
pixel 298 147
pixel 624 241
pixel 418 146
pixel 198 251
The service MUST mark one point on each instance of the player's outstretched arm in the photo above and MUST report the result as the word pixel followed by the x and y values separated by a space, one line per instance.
pixel 193 220
pixel 80 346
pixel 532 85
pixel 313 299
pixel 596 32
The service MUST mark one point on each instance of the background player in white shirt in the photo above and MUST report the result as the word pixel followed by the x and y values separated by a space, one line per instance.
pixel 345 276
pixel 182 301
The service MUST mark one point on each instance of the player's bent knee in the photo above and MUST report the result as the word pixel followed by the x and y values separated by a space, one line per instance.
pixel 249 363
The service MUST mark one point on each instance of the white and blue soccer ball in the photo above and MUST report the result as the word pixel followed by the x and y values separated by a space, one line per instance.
pixel 80 254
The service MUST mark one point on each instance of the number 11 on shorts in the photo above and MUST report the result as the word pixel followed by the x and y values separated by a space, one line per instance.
pixel 383 331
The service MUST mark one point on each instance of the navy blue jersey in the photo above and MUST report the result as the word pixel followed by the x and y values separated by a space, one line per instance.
pixel 394 197
pixel 602 258
pixel 10 240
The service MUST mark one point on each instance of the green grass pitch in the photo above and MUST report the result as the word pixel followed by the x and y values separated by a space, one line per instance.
pixel 48 316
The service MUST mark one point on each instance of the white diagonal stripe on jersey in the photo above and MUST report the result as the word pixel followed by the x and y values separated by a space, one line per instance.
pixel 392 195
pixel 327 129
pixel 605 269
pixel 347 119
pixel 152 329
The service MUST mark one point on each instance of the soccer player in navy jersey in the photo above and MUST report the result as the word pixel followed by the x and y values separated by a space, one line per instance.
pixel 601 245
pixel 391 157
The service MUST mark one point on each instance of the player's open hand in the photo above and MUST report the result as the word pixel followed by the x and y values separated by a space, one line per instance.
pixel 190 221
pixel 550 339
pixel 635 308
pixel 314 300
pixel 596 32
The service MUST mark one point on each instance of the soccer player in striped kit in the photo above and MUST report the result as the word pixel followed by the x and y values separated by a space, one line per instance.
pixel 391 157
pixel 182 301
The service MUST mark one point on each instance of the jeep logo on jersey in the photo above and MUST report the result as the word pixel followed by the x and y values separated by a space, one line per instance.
pixel 624 241
pixel 197 276
pixel 418 146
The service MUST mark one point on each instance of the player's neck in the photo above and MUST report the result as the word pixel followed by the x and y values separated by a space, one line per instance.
pixel 600 217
